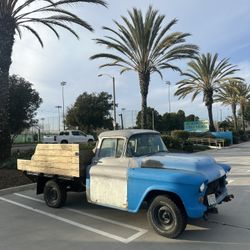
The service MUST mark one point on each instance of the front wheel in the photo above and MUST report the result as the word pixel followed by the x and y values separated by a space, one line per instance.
pixel 54 194
pixel 166 217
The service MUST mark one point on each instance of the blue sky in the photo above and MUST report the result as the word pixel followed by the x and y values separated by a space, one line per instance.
pixel 216 26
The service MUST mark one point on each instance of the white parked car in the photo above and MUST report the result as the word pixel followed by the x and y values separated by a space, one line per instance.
pixel 69 136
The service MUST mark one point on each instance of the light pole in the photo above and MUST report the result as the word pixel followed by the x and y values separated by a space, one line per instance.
pixel 114 102
pixel 169 107
pixel 63 84
pixel 124 117
pixel 58 107
pixel 121 120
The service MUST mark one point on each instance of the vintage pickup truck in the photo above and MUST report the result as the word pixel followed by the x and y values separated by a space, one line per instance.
pixel 129 168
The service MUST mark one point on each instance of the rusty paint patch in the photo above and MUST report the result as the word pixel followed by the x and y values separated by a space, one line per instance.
pixel 152 164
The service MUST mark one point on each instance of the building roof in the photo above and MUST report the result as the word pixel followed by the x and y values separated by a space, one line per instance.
pixel 126 133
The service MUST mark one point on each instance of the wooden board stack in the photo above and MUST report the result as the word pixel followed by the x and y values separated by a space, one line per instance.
pixel 56 159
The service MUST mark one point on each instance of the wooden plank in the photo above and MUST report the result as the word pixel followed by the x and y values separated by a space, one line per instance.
pixel 23 164
pixel 66 147
pixel 58 165
pixel 54 171
pixel 56 159
pixel 56 152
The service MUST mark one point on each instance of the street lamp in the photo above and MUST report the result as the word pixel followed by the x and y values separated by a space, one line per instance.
pixel 63 84
pixel 114 103
pixel 58 107
pixel 169 107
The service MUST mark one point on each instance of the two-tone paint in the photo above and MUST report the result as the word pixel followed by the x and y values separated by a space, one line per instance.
pixel 125 182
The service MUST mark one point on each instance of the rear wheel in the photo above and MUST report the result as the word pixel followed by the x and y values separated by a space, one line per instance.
pixel 54 194
pixel 166 217
pixel 64 142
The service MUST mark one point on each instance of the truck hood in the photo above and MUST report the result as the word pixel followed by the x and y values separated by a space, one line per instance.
pixel 202 165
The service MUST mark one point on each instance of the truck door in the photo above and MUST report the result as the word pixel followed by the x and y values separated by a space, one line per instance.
pixel 108 178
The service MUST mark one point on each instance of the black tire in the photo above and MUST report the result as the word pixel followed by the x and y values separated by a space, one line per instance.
pixel 55 194
pixel 166 217
pixel 64 142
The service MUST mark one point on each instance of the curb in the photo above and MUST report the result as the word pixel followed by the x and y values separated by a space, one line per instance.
pixel 17 189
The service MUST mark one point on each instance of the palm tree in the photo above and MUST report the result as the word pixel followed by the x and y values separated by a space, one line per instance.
pixel 15 16
pixel 228 94
pixel 205 75
pixel 244 98
pixel 144 45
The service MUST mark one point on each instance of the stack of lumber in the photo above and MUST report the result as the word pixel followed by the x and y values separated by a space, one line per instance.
pixel 56 159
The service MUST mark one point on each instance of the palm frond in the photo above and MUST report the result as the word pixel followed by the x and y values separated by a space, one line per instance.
pixel 34 33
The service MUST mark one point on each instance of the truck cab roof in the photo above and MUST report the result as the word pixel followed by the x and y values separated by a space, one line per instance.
pixel 127 133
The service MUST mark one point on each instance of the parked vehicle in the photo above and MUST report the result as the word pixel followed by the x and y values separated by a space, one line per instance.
pixel 131 167
pixel 69 136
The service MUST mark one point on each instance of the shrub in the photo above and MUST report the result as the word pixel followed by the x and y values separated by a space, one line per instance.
pixel 188 147
pixel 180 134
pixel 236 139
pixel 171 142
pixel 202 134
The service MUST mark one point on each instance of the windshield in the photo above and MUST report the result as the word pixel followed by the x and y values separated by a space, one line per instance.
pixel 145 144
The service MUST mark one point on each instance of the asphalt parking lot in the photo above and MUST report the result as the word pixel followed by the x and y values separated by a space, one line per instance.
pixel 27 223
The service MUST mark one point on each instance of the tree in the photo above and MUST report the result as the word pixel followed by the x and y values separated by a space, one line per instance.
pixel 228 94
pixel 24 102
pixel 15 16
pixel 143 44
pixel 173 121
pixel 244 98
pixel 205 75
pixel 247 112
pixel 150 114
pixel 90 111
pixel 191 118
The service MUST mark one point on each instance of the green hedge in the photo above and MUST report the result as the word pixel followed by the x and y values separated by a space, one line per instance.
pixel 180 134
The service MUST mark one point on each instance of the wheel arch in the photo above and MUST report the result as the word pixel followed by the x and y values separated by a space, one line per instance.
pixel 172 195
pixel 153 192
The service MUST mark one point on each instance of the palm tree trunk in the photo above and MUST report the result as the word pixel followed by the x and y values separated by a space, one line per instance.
pixel 233 106
pixel 243 117
pixel 209 103
pixel 7 32
pixel 210 117
pixel 144 79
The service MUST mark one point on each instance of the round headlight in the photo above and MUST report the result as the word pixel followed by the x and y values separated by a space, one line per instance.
pixel 202 187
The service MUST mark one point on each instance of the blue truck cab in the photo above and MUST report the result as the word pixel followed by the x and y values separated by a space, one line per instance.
pixel 131 167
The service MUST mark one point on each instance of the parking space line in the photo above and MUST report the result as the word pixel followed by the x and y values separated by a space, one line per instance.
pixel 76 224
pixel 89 215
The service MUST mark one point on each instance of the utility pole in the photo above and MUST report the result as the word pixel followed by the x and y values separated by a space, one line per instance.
pixel 121 120
pixel 169 104
pixel 153 120
pixel 114 100
pixel 58 107
pixel 63 84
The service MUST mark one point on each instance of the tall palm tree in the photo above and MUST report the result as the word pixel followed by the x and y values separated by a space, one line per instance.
pixel 205 75
pixel 144 45
pixel 244 98
pixel 15 16
pixel 228 94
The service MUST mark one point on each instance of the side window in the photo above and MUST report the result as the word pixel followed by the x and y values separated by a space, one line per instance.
pixel 111 147
pixel 75 133
pixel 64 133
pixel 119 148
